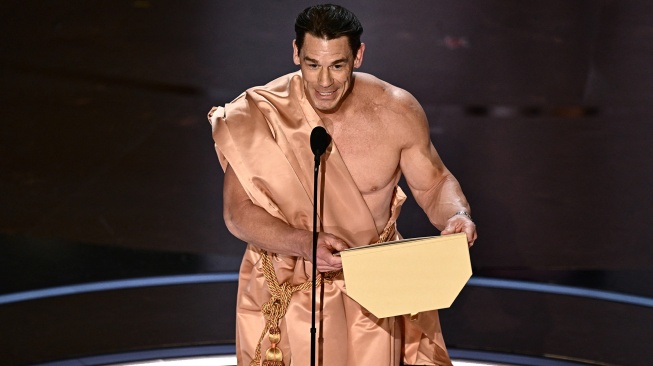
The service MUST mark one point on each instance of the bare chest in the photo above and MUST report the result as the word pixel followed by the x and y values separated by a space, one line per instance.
pixel 371 156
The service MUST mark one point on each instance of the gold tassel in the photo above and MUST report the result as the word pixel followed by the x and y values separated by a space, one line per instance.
pixel 274 356
pixel 275 308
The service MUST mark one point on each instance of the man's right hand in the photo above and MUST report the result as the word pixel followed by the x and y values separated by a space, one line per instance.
pixel 327 246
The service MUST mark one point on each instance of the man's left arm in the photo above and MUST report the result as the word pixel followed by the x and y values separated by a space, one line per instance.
pixel 435 189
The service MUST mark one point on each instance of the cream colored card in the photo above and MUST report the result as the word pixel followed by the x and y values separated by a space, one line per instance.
pixel 407 276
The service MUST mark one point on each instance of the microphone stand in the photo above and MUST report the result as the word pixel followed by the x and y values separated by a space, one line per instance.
pixel 320 140
pixel 315 201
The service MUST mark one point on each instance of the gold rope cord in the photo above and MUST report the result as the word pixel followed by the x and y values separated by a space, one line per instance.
pixel 275 308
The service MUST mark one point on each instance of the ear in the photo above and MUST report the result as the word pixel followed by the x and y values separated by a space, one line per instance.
pixel 295 53
pixel 358 61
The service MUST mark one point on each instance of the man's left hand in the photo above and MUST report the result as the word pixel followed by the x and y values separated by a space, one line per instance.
pixel 461 224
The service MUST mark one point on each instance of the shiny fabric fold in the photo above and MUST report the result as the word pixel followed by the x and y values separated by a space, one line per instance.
pixel 264 136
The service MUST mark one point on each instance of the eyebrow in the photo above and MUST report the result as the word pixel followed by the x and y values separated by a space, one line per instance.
pixel 338 61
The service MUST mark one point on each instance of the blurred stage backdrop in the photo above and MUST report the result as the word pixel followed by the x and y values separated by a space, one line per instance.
pixel 542 109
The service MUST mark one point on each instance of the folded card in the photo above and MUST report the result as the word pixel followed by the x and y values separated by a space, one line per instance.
pixel 407 276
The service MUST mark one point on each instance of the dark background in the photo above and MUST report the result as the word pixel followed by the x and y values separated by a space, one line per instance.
pixel 542 110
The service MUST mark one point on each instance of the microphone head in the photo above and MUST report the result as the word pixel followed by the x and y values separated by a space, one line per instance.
pixel 320 140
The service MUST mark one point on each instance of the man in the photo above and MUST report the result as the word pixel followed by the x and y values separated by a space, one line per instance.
pixel 379 133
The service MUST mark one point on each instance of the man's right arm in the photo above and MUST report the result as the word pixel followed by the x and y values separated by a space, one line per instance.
pixel 252 224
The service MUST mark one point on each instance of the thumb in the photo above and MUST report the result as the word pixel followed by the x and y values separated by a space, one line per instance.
pixel 339 245
pixel 447 230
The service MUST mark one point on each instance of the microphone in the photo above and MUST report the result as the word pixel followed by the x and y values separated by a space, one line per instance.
pixel 320 140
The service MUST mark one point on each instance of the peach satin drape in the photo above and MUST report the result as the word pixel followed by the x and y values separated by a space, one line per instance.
pixel 264 135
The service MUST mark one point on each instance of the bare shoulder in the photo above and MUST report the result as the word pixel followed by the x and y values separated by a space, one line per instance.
pixel 396 106
pixel 384 95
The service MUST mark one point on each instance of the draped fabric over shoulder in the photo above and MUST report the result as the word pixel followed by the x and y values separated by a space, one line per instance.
pixel 264 136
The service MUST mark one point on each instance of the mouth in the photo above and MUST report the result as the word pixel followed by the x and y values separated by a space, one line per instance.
pixel 325 94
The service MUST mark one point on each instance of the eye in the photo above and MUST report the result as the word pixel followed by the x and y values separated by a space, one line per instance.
pixel 312 66
pixel 337 66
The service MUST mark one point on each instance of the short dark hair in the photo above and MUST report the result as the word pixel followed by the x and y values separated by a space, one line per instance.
pixel 328 21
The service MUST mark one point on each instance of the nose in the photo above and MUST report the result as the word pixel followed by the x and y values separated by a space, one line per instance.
pixel 324 77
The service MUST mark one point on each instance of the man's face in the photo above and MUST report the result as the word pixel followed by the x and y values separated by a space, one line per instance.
pixel 327 67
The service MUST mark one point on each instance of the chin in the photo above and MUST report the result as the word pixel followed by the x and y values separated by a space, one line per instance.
pixel 326 107
pixel 329 109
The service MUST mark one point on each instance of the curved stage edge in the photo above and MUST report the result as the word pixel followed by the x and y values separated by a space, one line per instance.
pixel 224 356
pixel 500 321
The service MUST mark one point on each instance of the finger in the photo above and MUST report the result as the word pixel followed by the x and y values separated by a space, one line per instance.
pixel 339 246
pixel 334 244
pixel 328 257
pixel 471 237
pixel 446 230
pixel 335 261
pixel 328 269
pixel 449 229
pixel 328 266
